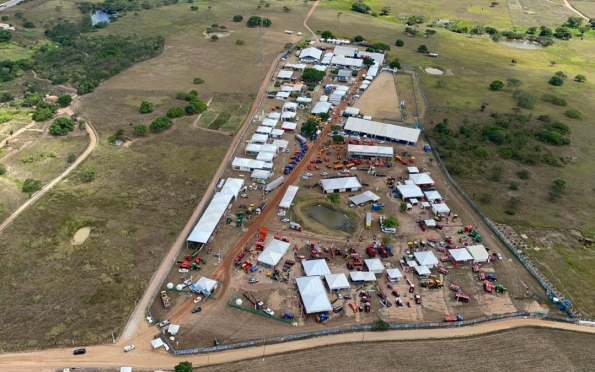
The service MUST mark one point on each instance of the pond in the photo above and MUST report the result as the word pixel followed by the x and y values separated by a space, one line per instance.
pixel 521 44
pixel 100 16
pixel 330 218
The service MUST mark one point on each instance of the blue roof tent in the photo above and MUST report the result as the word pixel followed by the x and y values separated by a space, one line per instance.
pixel 343 75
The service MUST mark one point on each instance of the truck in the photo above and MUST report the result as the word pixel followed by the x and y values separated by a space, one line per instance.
pixel 274 184
pixel 252 298
pixel 301 138
pixel 261 208
pixel 368 220
pixel 165 299
pixel 371 251
pixel 487 286
pixel 453 318
pixel 295 226
pixel 459 296
pixel 387 230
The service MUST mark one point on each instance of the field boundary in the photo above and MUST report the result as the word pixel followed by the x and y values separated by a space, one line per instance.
pixel 361 328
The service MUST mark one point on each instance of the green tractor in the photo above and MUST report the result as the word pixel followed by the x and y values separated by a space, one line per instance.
pixel 229 220
pixel 501 289
pixel 195 266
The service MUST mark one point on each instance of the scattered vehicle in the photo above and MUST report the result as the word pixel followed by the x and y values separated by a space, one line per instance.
pixel 443 270
pixel 252 298
pixel 216 342
pixel 295 226
pixel 79 351
pixel 269 311
pixel 287 315
pixel 501 289
pixel 196 310
pixel 454 318
pixel 492 277
pixel 244 195
pixel 197 299
pixel 454 287
pixel 417 299
pixel 165 300
pixel 285 220
pixel 347 297
pixel 281 214
pixel 128 348
pixel 324 174
pixel 499 256
pixel 381 295
pixel 338 309
pixel 164 323
pixel 386 303
pixel 253 280
pixel 183 271
pixel 353 307
pixel 481 276
pixel 461 297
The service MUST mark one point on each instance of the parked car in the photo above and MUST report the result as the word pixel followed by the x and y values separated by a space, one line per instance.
pixel 244 195
pixel 285 220
pixel 499 256
pixel 79 351
pixel 128 348
pixel 323 174
pixel 164 323
pixel 269 311
pixel 196 310
pixel 253 280
pixel 347 297
pixel 183 271
pixel 197 299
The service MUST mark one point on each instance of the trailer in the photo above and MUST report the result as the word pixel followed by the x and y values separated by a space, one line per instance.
pixel 487 286
pixel 453 318
pixel 301 138
pixel 261 208
pixel 273 185
pixel 368 220
pixel 295 226
pixel 165 300
pixel 252 298
pixel 461 297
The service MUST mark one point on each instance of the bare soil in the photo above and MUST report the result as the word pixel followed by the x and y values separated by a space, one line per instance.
pixel 380 99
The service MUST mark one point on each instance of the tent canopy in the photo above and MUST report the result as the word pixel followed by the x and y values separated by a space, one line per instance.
pixel 321 107
pixel 410 191
pixel 337 281
pixel 378 129
pixel 173 329
pixel 430 223
pixel 281 144
pixel 275 115
pixel 269 123
pixel 365 150
pixel 394 274
pixel 207 284
pixel 412 170
pixel 344 183
pixel 317 267
pixel 261 174
pixel 440 208
pixel 422 270
pixel 479 253
pixel 313 294
pixel 426 258
pixel 265 156
pixel 233 187
pixel 433 195
pixel 374 265
pixel 460 254
pixel 362 276
pixel 288 197
pixel 264 129
pixel 158 342
pixel 421 179
pixel 288 125
pixel 273 252
pixel 210 218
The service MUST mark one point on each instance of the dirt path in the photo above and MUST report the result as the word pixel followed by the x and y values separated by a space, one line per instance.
pixel 112 356
pixel 70 89
pixel 305 23
pixel 576 11
pixel 35 197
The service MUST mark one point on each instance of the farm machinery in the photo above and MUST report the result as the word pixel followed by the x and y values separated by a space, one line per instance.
pixel 191 262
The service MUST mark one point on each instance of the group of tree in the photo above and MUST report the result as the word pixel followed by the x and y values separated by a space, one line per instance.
pixel 327 34
pixel 160 124
pixel 255 21
pixel 309 127
pixel 62 126
pixel 312 75
pixel 195 105
pixel 361 7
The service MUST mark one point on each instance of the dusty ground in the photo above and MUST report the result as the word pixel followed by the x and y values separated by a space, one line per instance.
pixel 380 99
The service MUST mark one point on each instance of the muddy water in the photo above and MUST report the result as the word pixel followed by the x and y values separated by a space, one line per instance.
pixel 330 218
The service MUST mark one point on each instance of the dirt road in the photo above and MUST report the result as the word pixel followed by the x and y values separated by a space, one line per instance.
pixel 576 11
pixel 35 197
pixel 114 356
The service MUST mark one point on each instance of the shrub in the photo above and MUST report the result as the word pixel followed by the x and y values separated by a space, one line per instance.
pixel 214 37
pixel 524 174
pixel 510 211
pixel 194 8
pixel 257 21
pixel 482 152
pixel 42 114
pixel 525 99
pixel 239 42
pixel 29 24
pixel 62 126
pixel 485 198
pixel 573 114
pixel 175 112
pixel 142 130
pixel 198 80
pixel 88 175
pixel 361 7
pixel 146 107
pixel 71 158
pixel 558 101
pixel 556 81
pixel 238 18
pixel 2 169
pixel 422 49
pixel 399 43
pixel 160 124
pixel 513 185
pixel 30 186
pixel 64 100
pixel 580 78
pixel 496 85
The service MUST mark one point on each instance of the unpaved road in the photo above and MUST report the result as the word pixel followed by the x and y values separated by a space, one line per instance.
pixel 576 11
pixel 35 197
pixel 114 356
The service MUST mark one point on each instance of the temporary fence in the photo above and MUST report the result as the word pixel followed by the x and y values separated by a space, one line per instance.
pixel 362 328
pixel 415 75
pixel 260 313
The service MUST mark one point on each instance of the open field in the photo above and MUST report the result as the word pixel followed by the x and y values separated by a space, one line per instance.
pixel 143 192
pixel 585 7
pixel 529 350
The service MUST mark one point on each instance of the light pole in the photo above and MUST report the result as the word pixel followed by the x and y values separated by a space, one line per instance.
pixel 447 189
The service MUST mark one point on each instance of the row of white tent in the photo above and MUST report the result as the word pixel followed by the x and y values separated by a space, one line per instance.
pixel 372 151
pixel 377 129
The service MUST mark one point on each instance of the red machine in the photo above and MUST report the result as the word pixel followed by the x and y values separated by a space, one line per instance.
pixel 371 251
pixel 487 286
pixel 395 293
pixel 475 268
pixel 454 287
pixel 444 259
pixel 259 246
pixel 443 270
pixel 461 297
pixel 417 299
pixel 383 252
pixel 481 275
pixel 449 240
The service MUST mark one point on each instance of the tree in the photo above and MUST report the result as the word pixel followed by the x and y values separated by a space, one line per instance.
pixel 525 99
pixel 30 186
pixel 545 31
pixel 62 126
pixel 358 39
pixel 381 325
pixel 214 37
pixel 334 198
pixel 327 35
pixel 5 36
pixel 380 47
pixel 338 138
pixel 361 7
pixel 513 83
pixel 385 10
pixel 238 18
pixel 160 124
pixel 560 185
pixel 146 107
pixel 195 106
pixel 514 202
pixel 239 42
pixel 580 78
pixel 395 64
pixel 494 4
pixel 563 33
pixel 311 75
pixel 552 63
pixel 184 367
pixel 391 222
pixel 28 24
pixel 368 62
pixel 403 207
pixel 198 80
pixel 64 100
pixel 573 113
pixel 324 117
pixel 141 130
pixel 574 22
pixel 194 8
pixel 483 106
pixel 556 81
pixel 175 112
pixel 85 87
pixel 257 21
pixel 531 30
pixel 309 127
pixel 583 29
pixel 2 169
pixel 513 61
pixel 430 32
pixel 88 175
pixel 399 43
pixel 423 49
pixel 496 85
pixel 524 174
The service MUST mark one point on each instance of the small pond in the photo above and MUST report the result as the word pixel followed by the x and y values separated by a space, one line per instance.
pixel 330 218
pixel 521 44
pixel 100 16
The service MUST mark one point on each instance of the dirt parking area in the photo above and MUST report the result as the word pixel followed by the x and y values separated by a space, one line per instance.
pixel 380 99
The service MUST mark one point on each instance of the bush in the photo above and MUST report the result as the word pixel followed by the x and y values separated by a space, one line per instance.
pixel 175 112
pixel 238 18
pixel 195 106
pixel 525 99
pixel 29 24
pixel 510 211
pixel 524 174
pixel 64 100
pixel 4 18
pixel 214 37
pixel 198 80
pixel 257 21
pixel 42 114
pixel 62 126
pixel 160 124
pixel 30 186
pixel 580 78
pixel 5 36
pixel 482 152
pixel 485 198
pixel 423 49
pixel 556 81
pixel 88 175
pixel 2 169
pixel 71 158
pixel 496 174
pixel 399 43
pixel 361 7
pixel 146 107
pixel 513 185
pixel 496 85
pixel 142 130
pixel 239 42
pixel 194 8
pixel 573 114
pixel 558 101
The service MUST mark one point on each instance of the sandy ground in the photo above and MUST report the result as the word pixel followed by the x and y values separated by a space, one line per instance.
pixel 380 99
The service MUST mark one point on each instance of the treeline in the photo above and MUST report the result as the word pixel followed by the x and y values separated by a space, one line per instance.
pixel 123 5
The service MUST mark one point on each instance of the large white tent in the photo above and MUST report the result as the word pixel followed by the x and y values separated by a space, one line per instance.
pixel 259 138
pixel 288 115
pixel 173 329
pixel 157 342
pixel 342 184
pixel 410 191
pixel 252 149
pixel 270 123
pixel 261 174
pixel 433 195
pixel 281 144
pixel 275 115
pixel 362 276
pixel 460 255
pixel 365 197
pixel 374 265
pixel 317 267
pixel 246 165
pixel 387 131
pixel 313 294
pixel 268 147
pixel 479 253
pixel 321 107
pixel 421 179
pixel 373 151
pixel 289 106
pixel 264 130
pixel 206 285
pixel 288 126
pixel 273 253
pixel 422 270
pixel 277 133
pixel 440 208
pixel 210 218
pixel 233 187
pixel 426 258
pixel 288 197
pixel 337 281
pixel 394 275
pixel 265 156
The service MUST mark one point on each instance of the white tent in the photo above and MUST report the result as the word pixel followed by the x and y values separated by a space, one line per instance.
pixel 288 115
pixel 206 284
pixel 281 144
pixel 158 342
pixel 313 294
pixel 303 99
pixel 285 74
pixel 412 170
pixel 373 71
pixel 421 179
pixel 440 208
pixel 373 151
pixel 376 129
pixel 288 197
pixel 317 267
pixel 260 174
pixel 410 191
pixel 337 281
pixel 394 275
pixel 321 107
pixel 264 130
pixel 273 252
pixel 282 96
pixel 274 116
pixel 259 138
pixel 342 61
pixel 426 258
pixel 479 253
pixel 433 195
pixel 344 184
pixel 269 123
pixel 295 66
pixel 233 187
pixel 265 156
pixel 366 196
pixel 277 133
pixel 362 276
pixel 125 369
pixel 321 67
pixel 173 329
pixel 289 106
pixel 423 271
pixel 430 223
pixel 268 147
pixel 246 165
pixel 252 149
pixel 374 265
pixel 460 255
pixel 323 99
pixel 425 205
pixel 310 54
pixel 351 111
pixel 288 125
pixel 210 218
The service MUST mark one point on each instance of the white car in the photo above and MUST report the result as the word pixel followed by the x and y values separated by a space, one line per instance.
pixel 269 311
pixel 183 271
pixel 499 256
pixel 197 299
pixel 128 348
pixel 324 174
pixel 285 220
pixel 308 174
pixel 281 214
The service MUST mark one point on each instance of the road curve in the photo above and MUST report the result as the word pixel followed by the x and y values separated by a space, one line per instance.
pixel 576 11
pixel 9 4
pixel 110 356
pixel 35 197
